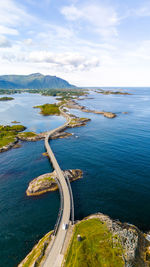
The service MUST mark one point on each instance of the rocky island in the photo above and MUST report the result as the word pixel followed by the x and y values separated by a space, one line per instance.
pixel 72 104
pixel 47 182
pixel 15 122
pixel 49 109
pixel 6 98
pixel 110 92
pixel 108 243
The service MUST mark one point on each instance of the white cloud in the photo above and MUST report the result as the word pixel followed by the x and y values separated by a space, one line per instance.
pixel 11 16
pixel 102 19
pixel 8 30
pixel 28 41
pixel 4 42
pixel 69 61
pixel 71 13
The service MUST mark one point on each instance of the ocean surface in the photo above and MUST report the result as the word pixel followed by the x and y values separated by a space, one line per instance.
pixel 114 155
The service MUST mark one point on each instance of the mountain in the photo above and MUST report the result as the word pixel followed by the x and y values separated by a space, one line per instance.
pixel 33 81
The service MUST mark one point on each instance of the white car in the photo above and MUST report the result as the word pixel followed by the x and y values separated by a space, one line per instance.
pixel 64 226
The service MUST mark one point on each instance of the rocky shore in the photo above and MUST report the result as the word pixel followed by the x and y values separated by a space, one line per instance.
pixel 136 247
pixel 37 137
pixel 78 122
pixel 9 146
pixel 72 104
pixel 109 92
pixel 47 182
pixel 34 138
pixel 133 244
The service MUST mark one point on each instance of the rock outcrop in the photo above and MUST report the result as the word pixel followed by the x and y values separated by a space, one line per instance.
pixel 135 245
pixel 136 248
pixel 48 182
pixel 9 146
pixel 74 105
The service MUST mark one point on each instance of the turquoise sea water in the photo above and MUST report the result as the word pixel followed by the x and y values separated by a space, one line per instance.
pixel 113 154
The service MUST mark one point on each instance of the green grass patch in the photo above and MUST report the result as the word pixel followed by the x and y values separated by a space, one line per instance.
pixel 37 251
pixel 4 141
pixel 9 133
pixel 5 98
pixel 97 247
pixel 47 179
pixel 49 109
pixel 27 134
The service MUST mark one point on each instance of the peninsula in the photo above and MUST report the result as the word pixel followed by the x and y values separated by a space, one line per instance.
pixel 9 136
pixel 108 242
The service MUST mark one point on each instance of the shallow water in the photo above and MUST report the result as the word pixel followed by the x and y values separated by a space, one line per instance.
pixel 114 155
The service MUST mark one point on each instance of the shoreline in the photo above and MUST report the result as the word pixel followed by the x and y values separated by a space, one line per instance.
pixel 78 122
pixel 74 122
pixel 74 105
pixel 48 182
pixel 133 244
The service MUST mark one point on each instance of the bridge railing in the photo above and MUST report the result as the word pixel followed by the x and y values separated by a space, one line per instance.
pixel 60 208
pixel 71 196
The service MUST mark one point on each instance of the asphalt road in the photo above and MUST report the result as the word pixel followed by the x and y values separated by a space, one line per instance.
pixel 54 258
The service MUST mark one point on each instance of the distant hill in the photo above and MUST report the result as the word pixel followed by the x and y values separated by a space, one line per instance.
pixel 33 81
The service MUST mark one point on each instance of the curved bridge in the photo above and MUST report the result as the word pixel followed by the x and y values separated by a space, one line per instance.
pixel 54 257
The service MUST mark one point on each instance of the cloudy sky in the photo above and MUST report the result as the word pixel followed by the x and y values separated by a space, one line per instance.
pixel 87 42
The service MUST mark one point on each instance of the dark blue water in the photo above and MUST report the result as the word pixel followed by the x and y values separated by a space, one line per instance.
pixel 114 155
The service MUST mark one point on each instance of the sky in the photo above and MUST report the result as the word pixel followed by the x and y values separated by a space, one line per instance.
pixel 87 42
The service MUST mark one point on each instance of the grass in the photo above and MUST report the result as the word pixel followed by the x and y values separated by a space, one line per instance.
pixel 49 109
pixel 4 141
pixel 8 133
pixel 5 98
pixel 37 251
pixel 76 120
pixel 27 134
pixel 97 247
pixel 13 128
pixel 47 179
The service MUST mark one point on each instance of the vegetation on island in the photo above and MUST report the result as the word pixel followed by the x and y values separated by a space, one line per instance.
pixel 5 98
pixel 47 182
pixel 8 134
pixel 96 247
pixel 27 134
pixel 110 92
pixel 15 122
pixel 49 109
pixel 37 255
pixel 61 94
pixel 64 93
pixel 76 121
pixel 8 91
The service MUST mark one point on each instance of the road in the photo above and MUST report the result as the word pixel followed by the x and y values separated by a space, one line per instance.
pixel 54 258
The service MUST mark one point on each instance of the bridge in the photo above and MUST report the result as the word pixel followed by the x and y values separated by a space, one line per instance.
pixel 54 257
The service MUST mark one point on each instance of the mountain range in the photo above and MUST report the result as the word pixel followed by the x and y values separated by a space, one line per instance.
pixel 33 81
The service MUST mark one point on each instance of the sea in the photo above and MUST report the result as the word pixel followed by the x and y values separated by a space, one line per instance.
pixel 114 155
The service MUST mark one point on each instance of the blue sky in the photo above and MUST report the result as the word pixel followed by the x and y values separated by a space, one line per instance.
pixel 89 43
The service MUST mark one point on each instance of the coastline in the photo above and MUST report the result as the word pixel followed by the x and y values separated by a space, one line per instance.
pixel 74 122
pixel 132 243
pixel 48 182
